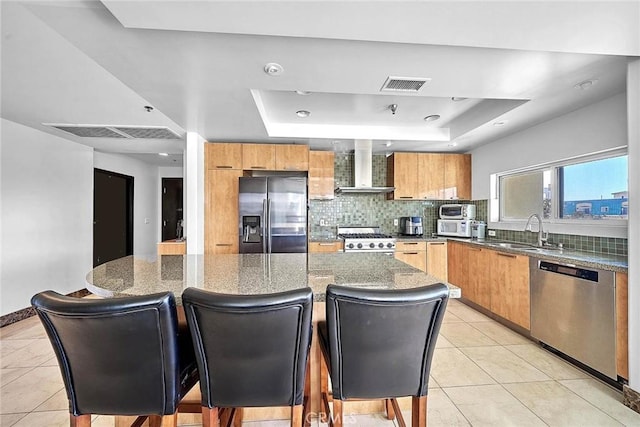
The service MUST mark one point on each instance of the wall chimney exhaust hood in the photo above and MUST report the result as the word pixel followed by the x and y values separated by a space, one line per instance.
pixel 362 171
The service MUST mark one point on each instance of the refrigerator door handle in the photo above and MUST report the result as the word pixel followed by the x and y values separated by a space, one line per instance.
pixel 269 225
pixel 264 225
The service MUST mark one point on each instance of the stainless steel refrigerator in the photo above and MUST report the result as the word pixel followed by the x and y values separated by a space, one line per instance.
pixel 273 214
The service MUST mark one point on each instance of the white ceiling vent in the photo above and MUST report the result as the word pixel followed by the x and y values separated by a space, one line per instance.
pixel 403 84
pixel 114 131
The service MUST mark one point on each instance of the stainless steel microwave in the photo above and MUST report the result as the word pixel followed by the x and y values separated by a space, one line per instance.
pixel 458 211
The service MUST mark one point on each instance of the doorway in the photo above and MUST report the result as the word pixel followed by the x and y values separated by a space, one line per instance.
pixel 172 209
pixel 112 216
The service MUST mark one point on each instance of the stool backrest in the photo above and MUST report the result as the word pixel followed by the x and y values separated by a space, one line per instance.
pixel 118 356
pixel 382 341
pixel 251 350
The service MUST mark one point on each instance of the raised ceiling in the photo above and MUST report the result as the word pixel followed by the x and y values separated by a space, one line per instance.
pixel 201 66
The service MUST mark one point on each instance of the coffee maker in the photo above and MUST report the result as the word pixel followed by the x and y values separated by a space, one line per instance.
pixel 411 226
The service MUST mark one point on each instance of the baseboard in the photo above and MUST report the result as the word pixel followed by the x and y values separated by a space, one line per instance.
pixel 631 398
pixel 25 313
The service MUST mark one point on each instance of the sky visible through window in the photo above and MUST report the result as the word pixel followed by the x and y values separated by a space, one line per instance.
pixel 595 180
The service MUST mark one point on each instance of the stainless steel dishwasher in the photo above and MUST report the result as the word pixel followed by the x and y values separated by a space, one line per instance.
pixel 573 310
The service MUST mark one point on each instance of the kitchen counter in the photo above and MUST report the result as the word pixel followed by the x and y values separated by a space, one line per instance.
pixel 587 259
pixel 254 273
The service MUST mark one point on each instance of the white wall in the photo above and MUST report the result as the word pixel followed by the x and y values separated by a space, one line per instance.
pixel 593 128
pixel 46 215
pixel 146 214
pixel 194 189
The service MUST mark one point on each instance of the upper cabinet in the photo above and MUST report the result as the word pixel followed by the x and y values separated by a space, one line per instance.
pixel 292 157
pixel 321 178
pixel 258 157
pixel 402 173
pixel 424 176
pixel 223 156
pixel 457 176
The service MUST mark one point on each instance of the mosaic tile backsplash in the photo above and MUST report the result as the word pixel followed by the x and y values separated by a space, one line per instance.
pixel 375 210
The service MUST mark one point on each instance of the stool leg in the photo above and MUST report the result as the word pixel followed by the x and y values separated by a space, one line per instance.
pixel 389 407
pixel 163 421
pixel 306 402
pixel 210 417
pixel 237 419
pixel 325 413
pixel 80 420
pixel 336 419
pixel 296 415
pixel 419 411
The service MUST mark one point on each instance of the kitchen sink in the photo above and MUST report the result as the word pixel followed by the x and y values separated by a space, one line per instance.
pixel 509 245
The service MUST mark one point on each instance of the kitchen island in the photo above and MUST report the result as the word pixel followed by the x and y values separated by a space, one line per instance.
pixel 249 274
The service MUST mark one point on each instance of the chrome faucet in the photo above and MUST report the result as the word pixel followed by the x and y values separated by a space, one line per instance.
pixel 542 236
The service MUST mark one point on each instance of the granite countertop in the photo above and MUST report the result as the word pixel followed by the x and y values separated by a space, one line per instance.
pixel 254 273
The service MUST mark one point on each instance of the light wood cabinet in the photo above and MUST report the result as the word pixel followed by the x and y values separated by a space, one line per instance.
pixel 457 266
pixel 221 155
pixel 510 287
pixel 221 211
pixel 172 247
pixel 325 246
pixel 479 276
pixel 291 157
pixel 420 176
pixel 321 175
pixel 258 157
pixel 457 176
pixel 412 253
pixel 622 325
pixel 437 260
pixel 402 173
pixel 431 176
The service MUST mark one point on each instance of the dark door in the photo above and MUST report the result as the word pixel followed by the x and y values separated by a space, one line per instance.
pixel 171 208
pixel 112 216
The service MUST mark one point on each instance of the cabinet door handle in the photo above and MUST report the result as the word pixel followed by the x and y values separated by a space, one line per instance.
pixel 406 197
pixel 223 167
pixel 410 253
pixel 507 255
pixel 475 249
pixel 223 244
pixel 326 244
pixel 258 167
pixel 436 243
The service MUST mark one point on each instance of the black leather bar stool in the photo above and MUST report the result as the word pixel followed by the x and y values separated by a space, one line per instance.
pixel 252 351
pixel 378 344
pixel 119 356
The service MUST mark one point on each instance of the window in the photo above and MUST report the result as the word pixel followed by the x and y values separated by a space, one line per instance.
pixel 587 190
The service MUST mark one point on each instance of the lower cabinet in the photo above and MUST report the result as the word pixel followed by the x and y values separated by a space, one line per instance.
pixel 510 287
pixel 412 253
pixel 622 325
pixel 437 260
pixel 325 246
pixel 497 281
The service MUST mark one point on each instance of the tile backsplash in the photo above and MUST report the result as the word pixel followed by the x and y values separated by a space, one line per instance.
pixel 375 210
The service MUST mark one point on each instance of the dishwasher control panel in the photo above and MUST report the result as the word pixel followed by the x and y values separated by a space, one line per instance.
pixel 572 271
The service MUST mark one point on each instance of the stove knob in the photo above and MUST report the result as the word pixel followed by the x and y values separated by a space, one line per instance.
pixel 381 245
pixel 359 245
pixel 350 245
pixel 389 245
pixel 372 245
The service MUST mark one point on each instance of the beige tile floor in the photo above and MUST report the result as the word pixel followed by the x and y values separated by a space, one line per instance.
pixel 483 374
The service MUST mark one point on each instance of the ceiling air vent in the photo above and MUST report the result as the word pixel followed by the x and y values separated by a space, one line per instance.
pixel 403 84
pixel 114 131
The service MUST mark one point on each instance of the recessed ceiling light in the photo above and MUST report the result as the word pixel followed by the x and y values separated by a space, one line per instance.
pixel 500 123
pixel 432 118
pixel 452 144
pixel 303 113
pixel 273 69
pixel 458 98
pixel 388 144
pixel 586 84
pixel 163 154
pixel 303 92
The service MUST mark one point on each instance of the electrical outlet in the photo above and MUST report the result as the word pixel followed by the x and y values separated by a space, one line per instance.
pixel 395 222
pixel 491 233
pixel 323 223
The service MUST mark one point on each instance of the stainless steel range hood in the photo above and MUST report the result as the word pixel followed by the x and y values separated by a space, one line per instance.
pixel 362 171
